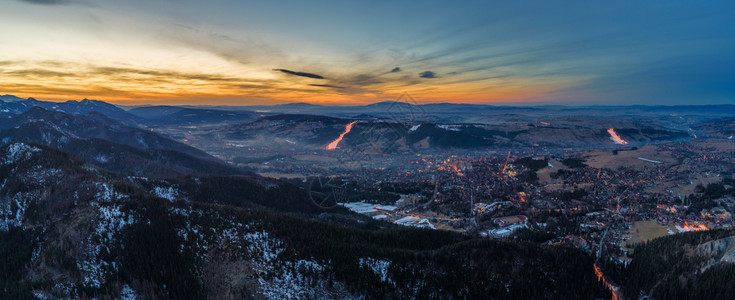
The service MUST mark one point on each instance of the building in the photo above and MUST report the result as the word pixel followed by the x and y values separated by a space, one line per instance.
pixel 510 220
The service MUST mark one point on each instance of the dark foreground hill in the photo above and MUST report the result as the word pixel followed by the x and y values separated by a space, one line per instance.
pixel 692 265
pixel 109 144
pixel 71 230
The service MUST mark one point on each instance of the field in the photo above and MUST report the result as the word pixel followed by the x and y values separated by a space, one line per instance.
pixel 604 158
pixel 281 175
pixel 313 157
pixel 643 231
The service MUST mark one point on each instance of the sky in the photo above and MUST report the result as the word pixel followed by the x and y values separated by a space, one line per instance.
pixel 235 52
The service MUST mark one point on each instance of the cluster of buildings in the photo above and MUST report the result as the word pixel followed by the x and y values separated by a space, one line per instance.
pixel 484 192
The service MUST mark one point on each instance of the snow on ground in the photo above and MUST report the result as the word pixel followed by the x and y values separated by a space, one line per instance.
pixel 290 279
pixel 106 194
pixel 229 233
pixel 650 160
pixel 365 208
pixel 414 128
pixel 111 220
pixel 41 175
pixel 415 222
pixel 279 276
pixel 92 267
pixel 128 293
pixel 19 152
pixel 449 127
pixel 379 266
pixel 60 290
pixel 262 247
pixel 12 211
pixel 170 193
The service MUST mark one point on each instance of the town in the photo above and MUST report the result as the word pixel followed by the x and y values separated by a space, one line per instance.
pixel 573 197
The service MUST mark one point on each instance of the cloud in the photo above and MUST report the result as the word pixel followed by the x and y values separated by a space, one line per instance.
pixel 328 85
pixel 302 74
pixel 395 70
pixel 47 2
pixel 427 74
pixel 36 73
pixel 243 50
pixel 175 75
pixel 362 80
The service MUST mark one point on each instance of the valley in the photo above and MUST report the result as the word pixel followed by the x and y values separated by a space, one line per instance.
pixel 280 205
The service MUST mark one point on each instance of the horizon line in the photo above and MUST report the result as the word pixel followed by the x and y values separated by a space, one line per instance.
pixel 417 103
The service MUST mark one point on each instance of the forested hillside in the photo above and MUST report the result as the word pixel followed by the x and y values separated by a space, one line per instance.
pixel 97 234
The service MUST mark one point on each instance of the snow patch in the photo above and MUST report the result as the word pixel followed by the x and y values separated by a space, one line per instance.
pixel 291 283
pixel 41 175
pixel 39 295
pixel 128 293
pixel 110 221
pixel 169 193
pixel 415 222
pixel 365 208
pixel 267 249
pixel 106 194
pixel 649 160
pixel 379 266
pixel 19 152
pixel 12 211
pixel 449 127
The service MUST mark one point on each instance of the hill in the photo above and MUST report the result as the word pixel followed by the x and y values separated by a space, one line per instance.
pixel 173 115
pixel 692 265
pixel 110 144
pixel 100 235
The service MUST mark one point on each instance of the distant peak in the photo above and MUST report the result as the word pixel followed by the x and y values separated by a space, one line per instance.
pixel 10 98
pixel 390 102
pixel 298 104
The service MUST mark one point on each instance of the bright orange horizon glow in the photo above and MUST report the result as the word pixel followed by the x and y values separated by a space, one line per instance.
pixel 208 89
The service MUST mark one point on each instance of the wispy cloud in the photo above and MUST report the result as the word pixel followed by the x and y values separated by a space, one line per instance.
pixel 35 73
pixel 328 86
pixel 47 2
pixel 244 50
pixel 427 74
pixel 395 70
pixel 302 74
